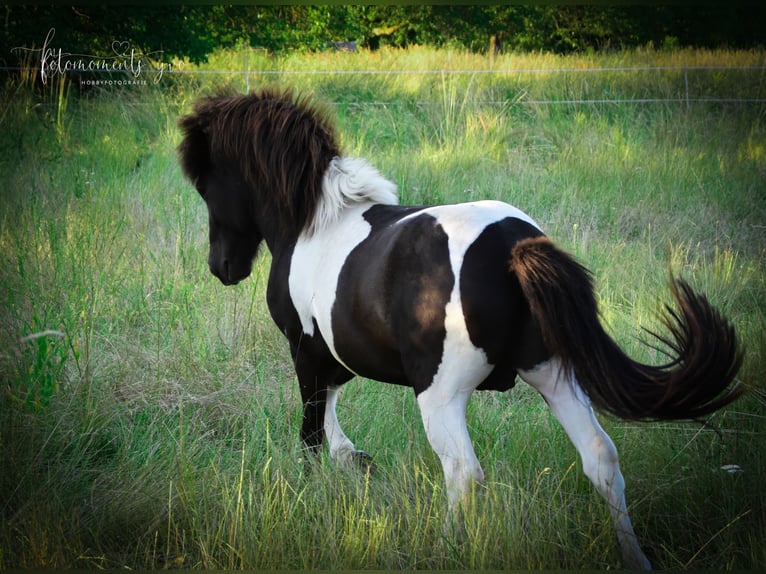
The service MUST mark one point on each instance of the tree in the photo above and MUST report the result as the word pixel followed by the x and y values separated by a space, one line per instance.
pixel 194 32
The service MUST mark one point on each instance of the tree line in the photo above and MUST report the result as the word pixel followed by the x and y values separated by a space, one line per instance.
pixel 193 32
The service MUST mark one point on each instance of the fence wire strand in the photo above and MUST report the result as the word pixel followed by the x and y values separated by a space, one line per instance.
pixel 686 97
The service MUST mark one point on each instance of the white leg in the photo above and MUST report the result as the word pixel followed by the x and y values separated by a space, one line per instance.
pixel 341 447
pixel 443 403
pixel 447 432
pixel 572 408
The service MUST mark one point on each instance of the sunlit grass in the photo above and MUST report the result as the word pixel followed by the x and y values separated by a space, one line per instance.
pixel 149 416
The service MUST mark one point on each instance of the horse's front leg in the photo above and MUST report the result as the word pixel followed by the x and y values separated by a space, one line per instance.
pixel 341 447
pixel 320 388
pixel 313 397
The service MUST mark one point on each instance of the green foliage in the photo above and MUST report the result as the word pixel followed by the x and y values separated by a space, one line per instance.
pixel 194 32
pixel 149 416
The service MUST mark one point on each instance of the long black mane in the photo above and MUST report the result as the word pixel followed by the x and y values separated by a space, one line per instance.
pixel 280 144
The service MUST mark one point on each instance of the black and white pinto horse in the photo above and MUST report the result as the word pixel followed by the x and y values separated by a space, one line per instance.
pixel 446 299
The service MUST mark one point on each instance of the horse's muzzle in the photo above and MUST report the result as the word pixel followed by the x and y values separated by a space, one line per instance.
pixel 228 273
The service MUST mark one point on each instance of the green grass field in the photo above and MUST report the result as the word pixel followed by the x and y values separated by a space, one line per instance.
pixel 149 416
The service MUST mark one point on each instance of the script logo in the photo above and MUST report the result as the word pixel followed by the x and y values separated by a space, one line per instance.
pixel 125 59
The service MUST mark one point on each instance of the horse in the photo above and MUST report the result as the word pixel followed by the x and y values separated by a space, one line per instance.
pixel 446 299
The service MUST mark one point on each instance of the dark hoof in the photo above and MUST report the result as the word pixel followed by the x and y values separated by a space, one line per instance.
pixel 363 461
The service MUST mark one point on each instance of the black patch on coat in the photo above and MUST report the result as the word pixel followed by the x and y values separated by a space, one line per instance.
pixel 388 316
pixel 496 314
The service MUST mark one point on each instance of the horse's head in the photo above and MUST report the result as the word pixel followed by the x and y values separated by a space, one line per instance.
pixel 234 232
pixel 258 161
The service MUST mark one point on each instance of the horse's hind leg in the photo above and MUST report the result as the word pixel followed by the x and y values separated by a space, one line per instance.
pixel 447 431
pixel 597 451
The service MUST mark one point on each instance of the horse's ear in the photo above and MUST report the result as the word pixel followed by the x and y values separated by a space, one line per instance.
pixel 194 150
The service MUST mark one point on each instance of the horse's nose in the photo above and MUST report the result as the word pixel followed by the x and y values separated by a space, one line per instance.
pixel 226 274
pixel 222 270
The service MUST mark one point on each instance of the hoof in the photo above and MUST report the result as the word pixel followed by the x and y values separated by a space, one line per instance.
pixel 363 461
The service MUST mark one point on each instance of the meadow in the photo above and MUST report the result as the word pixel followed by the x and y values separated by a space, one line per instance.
pixel 149 416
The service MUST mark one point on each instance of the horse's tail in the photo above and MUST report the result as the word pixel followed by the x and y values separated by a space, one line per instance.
pixel 702 345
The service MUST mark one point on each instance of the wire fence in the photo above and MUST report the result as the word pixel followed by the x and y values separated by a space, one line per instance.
pixel 684 93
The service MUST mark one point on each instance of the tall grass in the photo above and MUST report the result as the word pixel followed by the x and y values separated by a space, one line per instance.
pixel 149 416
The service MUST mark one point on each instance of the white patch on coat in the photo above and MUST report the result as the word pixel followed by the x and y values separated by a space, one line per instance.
pixel 475 215
pixel 316 264
pixel 349 181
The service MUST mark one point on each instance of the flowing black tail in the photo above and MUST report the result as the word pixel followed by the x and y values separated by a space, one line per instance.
pixel 697 381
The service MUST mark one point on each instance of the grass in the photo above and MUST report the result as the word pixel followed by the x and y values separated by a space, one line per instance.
pixel 149 416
